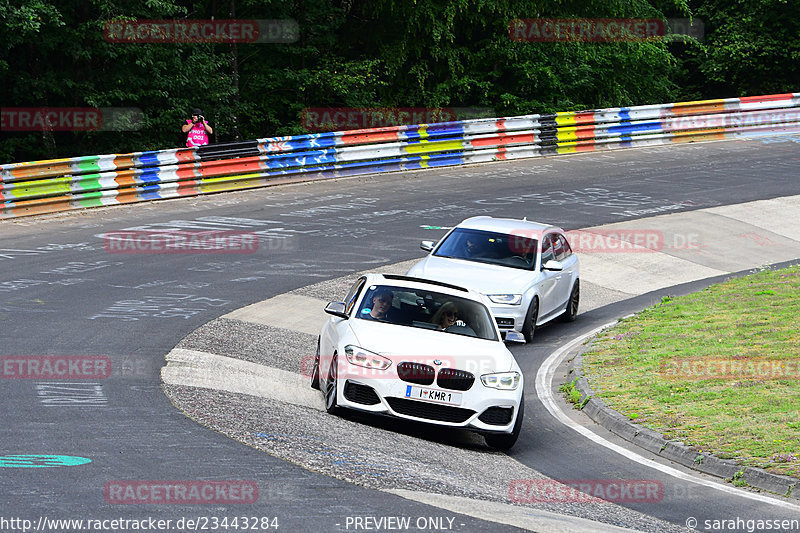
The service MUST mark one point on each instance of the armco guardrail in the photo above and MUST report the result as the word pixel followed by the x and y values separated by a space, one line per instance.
pixel 63 184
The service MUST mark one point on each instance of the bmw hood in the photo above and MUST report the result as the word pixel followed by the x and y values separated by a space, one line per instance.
pixel 488 279
pixel 405 343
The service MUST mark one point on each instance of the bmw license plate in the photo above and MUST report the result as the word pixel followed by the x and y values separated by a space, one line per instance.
pixel 433 395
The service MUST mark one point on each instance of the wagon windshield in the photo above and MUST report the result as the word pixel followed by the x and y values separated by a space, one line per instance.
pixel 515 251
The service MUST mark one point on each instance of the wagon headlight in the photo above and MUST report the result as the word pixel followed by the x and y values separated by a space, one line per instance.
pixel 501 380
pixel 508 299
pixel 361 357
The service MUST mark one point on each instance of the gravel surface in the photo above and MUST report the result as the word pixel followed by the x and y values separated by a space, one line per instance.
pixel 382 454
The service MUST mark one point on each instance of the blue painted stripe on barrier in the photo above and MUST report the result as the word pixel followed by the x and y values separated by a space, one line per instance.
pixel 149 158
pixel 150 175
pixel 625 114
pixel 633 128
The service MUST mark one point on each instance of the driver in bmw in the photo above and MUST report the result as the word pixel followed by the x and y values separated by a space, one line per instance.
pixel 381 304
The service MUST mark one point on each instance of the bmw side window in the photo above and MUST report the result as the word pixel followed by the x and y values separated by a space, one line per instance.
pixel 547 249
pixel 563 250
pixel 352 296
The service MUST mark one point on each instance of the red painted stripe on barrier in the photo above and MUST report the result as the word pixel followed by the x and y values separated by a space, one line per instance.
pixel 188 188
pixel 585 147
pixel 369 136
pixel 696 108
pixel 41 206
pixel 42 169
pixel 187 171
pixel 188 154
pixel 584 117
pixel 585 132
pixel 229 166
pixel 766 98
pixel 500 124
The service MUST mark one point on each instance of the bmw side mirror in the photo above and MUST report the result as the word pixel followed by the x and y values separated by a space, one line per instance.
pixel 514 336
pixel 553 265
pixel 426 245
pixel 336 309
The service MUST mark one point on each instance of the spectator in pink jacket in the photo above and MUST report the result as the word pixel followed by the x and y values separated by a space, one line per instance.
pixel 197 129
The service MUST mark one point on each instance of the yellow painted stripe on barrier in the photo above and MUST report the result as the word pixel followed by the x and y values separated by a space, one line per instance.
pixel 567 134
pixel 49 188
pixel 424 161
pixel 433 146
pixel 689 133
pixel 423 131
pixel 565 118
pixel 706 135
pixel 229 183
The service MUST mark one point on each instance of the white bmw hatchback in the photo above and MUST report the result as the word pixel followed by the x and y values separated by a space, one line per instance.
pixel 526 269
pixel 423 351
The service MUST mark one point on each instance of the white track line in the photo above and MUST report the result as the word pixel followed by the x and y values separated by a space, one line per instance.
pixel 544 380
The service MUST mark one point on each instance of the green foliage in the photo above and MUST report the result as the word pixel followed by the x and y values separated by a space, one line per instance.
pixel 370 53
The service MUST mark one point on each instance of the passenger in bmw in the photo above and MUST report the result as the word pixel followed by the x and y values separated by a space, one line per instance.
pixel 447 316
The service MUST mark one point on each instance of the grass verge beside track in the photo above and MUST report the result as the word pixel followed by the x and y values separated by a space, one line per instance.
pixel 717 369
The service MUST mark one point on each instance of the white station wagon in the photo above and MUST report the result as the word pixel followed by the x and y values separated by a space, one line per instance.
pixel 526 269
pixel 420 350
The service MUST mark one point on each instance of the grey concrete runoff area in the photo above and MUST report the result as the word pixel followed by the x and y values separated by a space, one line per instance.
pixel 223 366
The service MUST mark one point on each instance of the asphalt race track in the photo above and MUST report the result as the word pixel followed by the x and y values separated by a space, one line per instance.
pixel 66 293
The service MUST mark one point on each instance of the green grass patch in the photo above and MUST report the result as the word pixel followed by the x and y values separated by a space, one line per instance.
pixel 717 369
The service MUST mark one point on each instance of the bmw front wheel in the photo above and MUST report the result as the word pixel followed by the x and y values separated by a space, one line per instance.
pixel 331 386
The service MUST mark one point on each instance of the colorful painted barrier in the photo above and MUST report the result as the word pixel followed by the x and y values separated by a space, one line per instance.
pixel 57 185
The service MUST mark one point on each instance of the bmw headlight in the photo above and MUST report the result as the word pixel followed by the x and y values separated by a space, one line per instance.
pixel 361 357
pixel 508 299
pixel 501 380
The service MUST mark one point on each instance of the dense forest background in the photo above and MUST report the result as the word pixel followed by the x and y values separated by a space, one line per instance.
pixel 370 53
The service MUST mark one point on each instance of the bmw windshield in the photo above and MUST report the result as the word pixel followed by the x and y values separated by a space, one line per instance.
pixel 425 309
pixel 515 251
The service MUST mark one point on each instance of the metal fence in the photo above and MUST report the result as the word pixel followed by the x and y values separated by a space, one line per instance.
pixel 63 184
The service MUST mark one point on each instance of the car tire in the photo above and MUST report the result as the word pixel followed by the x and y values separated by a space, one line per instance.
pixel 315 370
pixel 571 312
pixel 331 386
pixel 529 326
pixel 505 441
